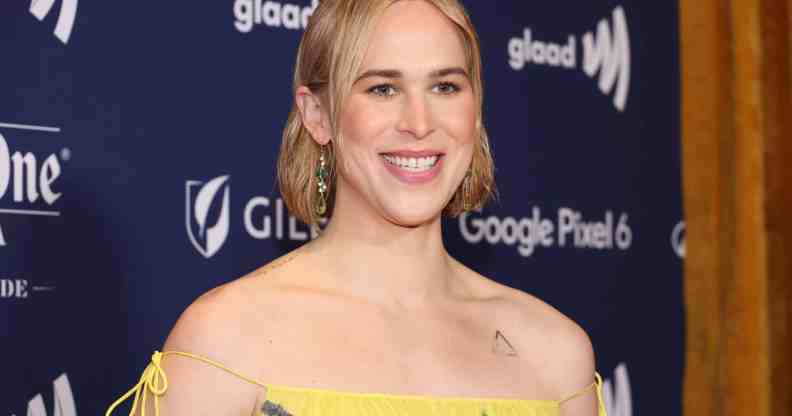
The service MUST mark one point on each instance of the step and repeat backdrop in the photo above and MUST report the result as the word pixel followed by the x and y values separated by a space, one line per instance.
pixel 115 116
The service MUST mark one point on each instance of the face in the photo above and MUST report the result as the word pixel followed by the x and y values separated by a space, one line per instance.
pixel 408 124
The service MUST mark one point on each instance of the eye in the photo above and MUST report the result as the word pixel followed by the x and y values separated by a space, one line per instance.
pixel 446 88
pixel 383 90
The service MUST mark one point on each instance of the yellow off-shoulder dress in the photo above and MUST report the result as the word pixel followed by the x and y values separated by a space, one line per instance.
pixel 301 401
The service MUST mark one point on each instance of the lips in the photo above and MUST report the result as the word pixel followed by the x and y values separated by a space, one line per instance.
pixel 413 167
pixel 412 164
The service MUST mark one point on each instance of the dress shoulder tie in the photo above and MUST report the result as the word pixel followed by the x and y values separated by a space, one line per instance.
pixel 154 382
pixel 596 385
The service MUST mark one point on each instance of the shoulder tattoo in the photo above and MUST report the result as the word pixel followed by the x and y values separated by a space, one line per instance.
pixel 502 346
pixel 278 263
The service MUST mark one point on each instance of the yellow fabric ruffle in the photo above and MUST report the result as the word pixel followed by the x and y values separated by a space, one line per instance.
pixel 300 401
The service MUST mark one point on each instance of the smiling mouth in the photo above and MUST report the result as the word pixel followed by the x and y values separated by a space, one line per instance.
pixel 412 164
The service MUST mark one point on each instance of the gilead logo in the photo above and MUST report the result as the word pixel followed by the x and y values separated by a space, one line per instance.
pixel 208 217
pixel 606 55
pixel 207 234
pixel 68 12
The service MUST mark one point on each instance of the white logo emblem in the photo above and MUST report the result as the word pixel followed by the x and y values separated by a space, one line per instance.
pixel 678 240
pixel 14 288
pixel 20 289
pixel 68 12
pixel 618 394
pixel 570 229
pixel 607 53
pixel 33 180
pixel 210 236
pixel 272 14
pixel 63 401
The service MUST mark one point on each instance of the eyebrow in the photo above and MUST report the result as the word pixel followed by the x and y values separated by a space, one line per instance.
pixel 395 73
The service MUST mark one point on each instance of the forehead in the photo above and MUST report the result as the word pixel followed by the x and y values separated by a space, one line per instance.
pixel 414 35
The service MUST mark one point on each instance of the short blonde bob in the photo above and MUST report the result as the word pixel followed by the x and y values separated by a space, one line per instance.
pixel 329 56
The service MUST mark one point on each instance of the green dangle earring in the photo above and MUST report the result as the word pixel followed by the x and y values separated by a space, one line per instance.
pixel 321 177
pixel 467 191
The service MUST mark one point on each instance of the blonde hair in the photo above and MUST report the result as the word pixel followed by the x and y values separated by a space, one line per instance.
pixel 329 56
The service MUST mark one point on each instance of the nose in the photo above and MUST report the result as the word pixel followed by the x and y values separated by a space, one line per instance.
pixel 416 117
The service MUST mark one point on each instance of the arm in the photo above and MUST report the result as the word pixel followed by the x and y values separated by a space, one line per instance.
pixel 560 351
pixel 575 370
pixel 209 328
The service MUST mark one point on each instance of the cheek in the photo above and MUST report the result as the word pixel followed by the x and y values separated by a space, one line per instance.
pixel 360 121
pixel 360 125
pixel 459 120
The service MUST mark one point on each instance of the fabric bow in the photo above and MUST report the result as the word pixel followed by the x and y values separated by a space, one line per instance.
pixel 153 381
pixel 601 403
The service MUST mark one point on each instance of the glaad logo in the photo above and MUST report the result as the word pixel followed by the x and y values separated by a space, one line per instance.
pixel 607 53
pixel 210 235
pixel 678 240
pixel 32 183
pixel 527 50
pixel 63 400
pixel 68 12
pixel 617 394
pixel 271 13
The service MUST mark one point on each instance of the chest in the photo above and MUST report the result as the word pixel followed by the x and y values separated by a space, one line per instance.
pixel 432 354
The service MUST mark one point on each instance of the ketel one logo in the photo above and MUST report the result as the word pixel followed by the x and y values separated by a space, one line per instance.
pixel 606 53
pixel 68 12
pixel 27 180
pixel 208 214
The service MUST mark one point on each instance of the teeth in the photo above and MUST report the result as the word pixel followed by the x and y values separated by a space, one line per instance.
pixel 412 164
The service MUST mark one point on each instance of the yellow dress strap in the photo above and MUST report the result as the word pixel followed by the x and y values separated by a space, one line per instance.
pixel 154 381
pixel 597 385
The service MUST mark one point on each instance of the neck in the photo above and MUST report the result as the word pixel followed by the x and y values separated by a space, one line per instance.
pixel 385 262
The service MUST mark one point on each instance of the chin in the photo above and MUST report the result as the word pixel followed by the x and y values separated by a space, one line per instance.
pixel 414 215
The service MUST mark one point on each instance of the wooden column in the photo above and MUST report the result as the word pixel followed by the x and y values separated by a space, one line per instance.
pixel 777 102
pixel 737 170
pixel 707 142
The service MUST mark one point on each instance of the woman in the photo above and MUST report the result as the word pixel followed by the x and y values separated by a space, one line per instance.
pixel 374 317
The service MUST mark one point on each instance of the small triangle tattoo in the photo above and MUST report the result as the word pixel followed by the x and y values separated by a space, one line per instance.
pixel 502 346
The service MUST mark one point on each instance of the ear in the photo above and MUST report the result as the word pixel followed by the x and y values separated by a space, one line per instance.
pixel 314 115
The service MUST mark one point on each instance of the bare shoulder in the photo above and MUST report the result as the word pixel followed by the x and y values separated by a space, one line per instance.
pixel 228 322
pixel 536 329
pixel 228 326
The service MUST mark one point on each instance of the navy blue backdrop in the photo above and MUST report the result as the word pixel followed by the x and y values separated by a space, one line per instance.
pixel 124 126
